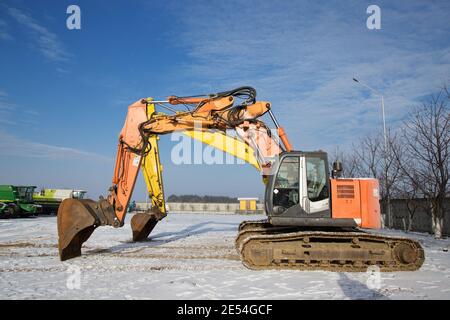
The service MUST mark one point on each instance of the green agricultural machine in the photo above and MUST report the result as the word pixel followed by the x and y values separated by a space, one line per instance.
pixel 50 199
pixel 17 201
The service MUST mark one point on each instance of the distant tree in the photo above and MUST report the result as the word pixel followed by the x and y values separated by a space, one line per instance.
pixel 405 188
pixel 367 153
pixel 408 192
pixel 425 140
pixel 372 158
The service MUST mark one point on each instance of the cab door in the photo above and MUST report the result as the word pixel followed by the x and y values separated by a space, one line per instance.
pixel 315 182
pixel 286 185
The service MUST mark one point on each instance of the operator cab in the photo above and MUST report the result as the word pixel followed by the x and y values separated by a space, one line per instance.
pixel 298 191
pixel 25 193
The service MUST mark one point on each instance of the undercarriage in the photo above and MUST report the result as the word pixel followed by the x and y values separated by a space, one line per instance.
pixel 263 246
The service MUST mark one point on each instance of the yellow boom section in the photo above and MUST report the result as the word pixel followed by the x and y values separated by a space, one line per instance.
pixel 152 168
pixel 227 144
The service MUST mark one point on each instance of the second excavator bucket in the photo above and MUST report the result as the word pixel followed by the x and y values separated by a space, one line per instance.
pixel 76 222
pixel 142 223
pixel 77 219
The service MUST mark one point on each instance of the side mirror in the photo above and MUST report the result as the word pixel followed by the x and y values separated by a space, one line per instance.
pixel 337 170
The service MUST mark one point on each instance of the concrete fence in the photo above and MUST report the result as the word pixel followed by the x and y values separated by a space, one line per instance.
pixel 186 207
pixel 421 220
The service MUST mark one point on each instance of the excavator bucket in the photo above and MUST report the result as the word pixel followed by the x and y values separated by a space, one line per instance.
pixel 76 222
pixel 142 223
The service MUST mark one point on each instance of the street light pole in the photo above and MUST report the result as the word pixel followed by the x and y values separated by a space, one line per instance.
pixel 384 124
pixel 386 148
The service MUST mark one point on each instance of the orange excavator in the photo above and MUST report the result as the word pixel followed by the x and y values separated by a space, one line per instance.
pixel 314 221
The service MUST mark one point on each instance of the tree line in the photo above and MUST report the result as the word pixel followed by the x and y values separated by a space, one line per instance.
pixel 413 164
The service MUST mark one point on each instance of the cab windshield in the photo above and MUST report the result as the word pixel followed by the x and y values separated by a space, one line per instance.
pixel 26 193
pixel 286 189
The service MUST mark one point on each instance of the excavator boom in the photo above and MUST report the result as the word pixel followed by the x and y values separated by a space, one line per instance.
pixel 138 148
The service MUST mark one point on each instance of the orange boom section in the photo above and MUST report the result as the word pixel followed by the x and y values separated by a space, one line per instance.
pixel 357 199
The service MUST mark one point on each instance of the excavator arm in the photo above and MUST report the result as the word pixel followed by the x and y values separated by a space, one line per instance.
pixel 138 147
pixel 152 169
pixel 77 219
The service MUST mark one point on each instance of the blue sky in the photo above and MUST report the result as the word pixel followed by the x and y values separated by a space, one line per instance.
pixel 64 93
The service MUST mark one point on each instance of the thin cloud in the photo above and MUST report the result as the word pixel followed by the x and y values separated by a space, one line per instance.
pixel 12 145
pixel 5 121
pixel 47 42
pixel 4 34
pixel 302 56
pixel 31 112
pixel 62 70
pixel 9 114
pixel 5 106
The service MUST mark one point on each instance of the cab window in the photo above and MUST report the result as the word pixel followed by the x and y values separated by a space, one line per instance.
pixel 286 188
pixel 316 178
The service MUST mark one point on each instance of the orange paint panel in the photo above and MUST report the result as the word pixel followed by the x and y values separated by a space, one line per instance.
pixel 345 201
pixel 370 204
pixel 356 199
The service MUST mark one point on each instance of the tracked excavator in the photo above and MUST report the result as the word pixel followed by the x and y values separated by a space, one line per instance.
pixel 316 220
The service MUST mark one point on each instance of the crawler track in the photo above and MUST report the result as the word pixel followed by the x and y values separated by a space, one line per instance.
pixel 262 246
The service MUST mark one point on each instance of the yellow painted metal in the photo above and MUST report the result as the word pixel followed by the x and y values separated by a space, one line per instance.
pixel 227 144
pixel 242 205
pixel 152 168
pixel 252 205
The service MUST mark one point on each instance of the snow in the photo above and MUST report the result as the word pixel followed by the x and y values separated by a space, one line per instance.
pixel 189 256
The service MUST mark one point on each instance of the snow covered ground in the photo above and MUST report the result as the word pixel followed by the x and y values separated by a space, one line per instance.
pixel 190 256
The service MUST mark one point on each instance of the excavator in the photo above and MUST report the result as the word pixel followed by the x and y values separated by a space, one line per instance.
pixel 316 220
